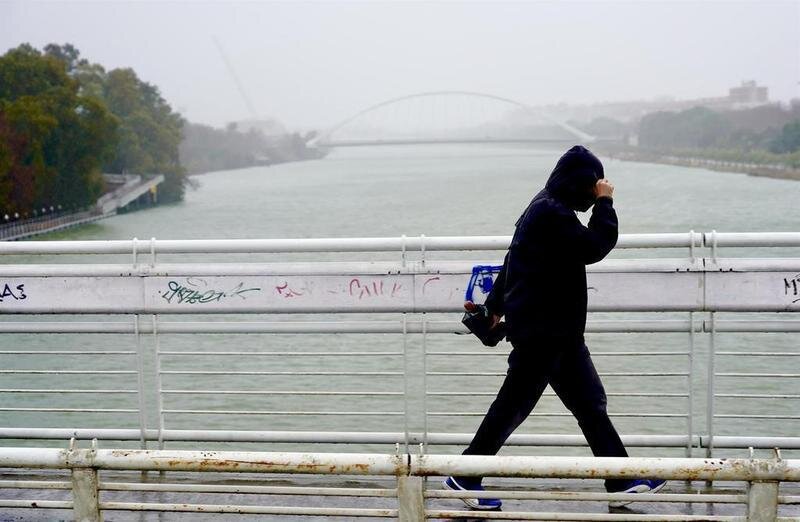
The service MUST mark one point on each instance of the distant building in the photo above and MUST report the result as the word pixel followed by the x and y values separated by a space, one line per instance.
pixel 749 94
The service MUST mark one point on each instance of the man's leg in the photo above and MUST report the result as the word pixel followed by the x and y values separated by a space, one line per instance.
pixel 526 379
pixel 577 384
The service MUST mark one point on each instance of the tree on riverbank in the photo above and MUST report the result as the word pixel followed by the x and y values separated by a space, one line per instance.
pixel 53 138
pixel 149 132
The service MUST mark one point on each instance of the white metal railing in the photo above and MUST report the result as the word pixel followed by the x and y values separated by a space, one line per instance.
pixel 357 399
pixel 45 223
pixel 98 477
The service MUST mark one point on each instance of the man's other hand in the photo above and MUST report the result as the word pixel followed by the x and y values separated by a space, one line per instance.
pixel 469 306
pixel 603 189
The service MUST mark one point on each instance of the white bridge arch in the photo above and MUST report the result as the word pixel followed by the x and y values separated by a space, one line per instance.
pixel 374 118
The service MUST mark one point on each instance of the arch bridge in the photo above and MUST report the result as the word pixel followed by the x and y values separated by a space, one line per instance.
pixel 449 117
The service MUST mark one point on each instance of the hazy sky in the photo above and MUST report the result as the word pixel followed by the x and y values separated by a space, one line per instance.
pixel 313 64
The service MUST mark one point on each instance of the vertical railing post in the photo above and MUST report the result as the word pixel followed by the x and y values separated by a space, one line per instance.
pixel 159 396
pixel 410 499
pixel 710 388
pixel 690 399
pixel 85 496
pixel 762 501
pixel 140 383
pixel 85 484
pixel 406 386
pixel 424 383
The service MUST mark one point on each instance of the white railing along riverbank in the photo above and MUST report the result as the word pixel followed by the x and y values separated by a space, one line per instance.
pixel 101 481
pixel 178 357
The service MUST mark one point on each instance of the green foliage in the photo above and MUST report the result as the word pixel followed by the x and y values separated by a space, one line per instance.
pixel 64 120
pixel 205 149
pixel 697 127
pixel 149 132
pixel 750 133
pixel 788 140
pixel 52 139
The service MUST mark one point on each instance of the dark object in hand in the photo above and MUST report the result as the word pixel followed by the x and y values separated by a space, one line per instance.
pixel 479 322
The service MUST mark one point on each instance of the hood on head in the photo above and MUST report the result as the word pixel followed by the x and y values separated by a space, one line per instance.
pixel 574 177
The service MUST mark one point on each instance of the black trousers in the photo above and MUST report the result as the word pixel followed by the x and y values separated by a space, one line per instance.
pixel 568 368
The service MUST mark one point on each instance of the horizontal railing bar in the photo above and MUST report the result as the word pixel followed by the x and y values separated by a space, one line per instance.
pixel 361 244
pixel 741 442
pixel 64 352
pixel 280 392
pixel 606 374
pixel 269 490
pixel 346 268
pixel 556 414
pixel 594 354
pixel 605 467
pixel 552 394
pixel 753 239
pixel 716 469
pixel 381 326
pixel 756 396
pixel 584 517
pixel 315 327
pixel 42 504
pixel 254 510
pixel 753 326
pixel 770 375
pixel 289 354
pixel 74 410
pixel 588 496
pixel 264 412
pixel 754 416
pixel 362 437
pixel 71 372
pixel 760 354
pixel 34 390
pixel 210 372
pixel 34 484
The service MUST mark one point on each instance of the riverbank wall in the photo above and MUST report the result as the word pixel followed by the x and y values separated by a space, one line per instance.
pixel 768 170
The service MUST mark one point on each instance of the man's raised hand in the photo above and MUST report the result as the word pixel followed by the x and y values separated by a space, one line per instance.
pixel 603 189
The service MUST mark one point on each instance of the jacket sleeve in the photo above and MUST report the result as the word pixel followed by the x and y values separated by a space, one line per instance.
pixel 495 301
pixel 592 243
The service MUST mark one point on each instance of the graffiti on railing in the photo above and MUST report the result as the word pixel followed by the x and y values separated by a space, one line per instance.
pixel 356 287
pixel 10 291
pixel 791 286
pixel 372 289
pixel 195 291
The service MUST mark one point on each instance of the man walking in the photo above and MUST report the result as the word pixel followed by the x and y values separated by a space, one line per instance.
pixel 541 290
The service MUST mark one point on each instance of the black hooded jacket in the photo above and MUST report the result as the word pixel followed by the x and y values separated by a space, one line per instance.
pixel 541 289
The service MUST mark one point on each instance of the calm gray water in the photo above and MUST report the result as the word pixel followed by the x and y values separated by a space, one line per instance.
pixel 433 191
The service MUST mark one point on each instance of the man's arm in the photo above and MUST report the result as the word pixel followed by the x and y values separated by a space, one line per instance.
pixel 593 243
pixel 599 238
pixel 495 301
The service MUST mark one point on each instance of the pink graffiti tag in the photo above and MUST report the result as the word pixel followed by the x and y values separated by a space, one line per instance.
pixel 429 280
pixel 396 287
pixel 287 292
pixel 372 289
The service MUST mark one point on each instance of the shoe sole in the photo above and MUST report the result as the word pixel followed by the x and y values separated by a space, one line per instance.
pixel 470 502
pixel 623 503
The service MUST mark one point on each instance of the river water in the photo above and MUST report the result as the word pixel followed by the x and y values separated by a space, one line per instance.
pixel 441 190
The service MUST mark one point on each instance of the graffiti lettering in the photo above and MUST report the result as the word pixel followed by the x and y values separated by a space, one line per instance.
pixel 16 293
pixel 195 291
pixel 791 287
pixel 372 289
pixel 429 281
pixel 287 291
